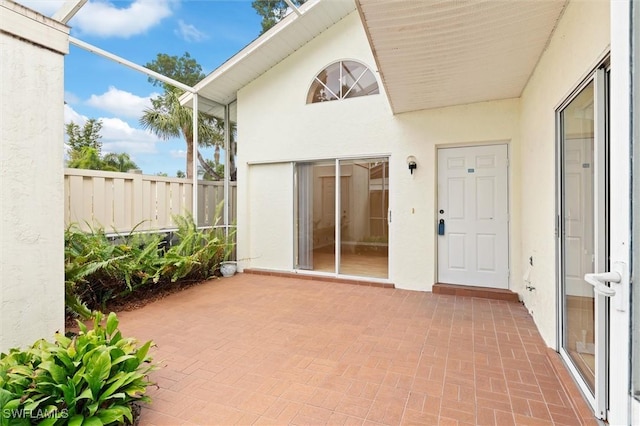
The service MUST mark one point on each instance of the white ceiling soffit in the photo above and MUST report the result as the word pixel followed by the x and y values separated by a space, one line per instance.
pixel 290 34
pixel 436 53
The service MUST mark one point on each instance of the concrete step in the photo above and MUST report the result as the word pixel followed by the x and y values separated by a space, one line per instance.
pixel 472 291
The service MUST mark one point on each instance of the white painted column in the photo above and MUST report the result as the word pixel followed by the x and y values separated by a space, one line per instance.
pixel 194 178
pixel 31 175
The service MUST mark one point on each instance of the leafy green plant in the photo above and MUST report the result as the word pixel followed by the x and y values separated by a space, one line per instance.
pixel 197 254
pixel 99 269
pixel 90 379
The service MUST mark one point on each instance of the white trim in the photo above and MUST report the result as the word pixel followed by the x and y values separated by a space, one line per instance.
pixel 293 7
pixel 194 161
pixel 305 272
pixel 30 25
pixel 471 144
pixel 93 49
pixel 601 250
pixel 581 384
pixel 256 44
pixel 436 208
pixel 68 10
pixel 313 159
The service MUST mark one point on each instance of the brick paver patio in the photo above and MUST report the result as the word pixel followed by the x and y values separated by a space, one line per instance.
pixel 258 349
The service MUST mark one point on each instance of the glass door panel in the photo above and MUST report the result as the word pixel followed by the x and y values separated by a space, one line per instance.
pixel 578 239
pixel 364 229
pixel 315 216
pixel 584 236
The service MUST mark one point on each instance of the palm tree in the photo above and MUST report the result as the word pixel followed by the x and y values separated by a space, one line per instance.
pixel 217 167
pixel 168 119
pixel 119 162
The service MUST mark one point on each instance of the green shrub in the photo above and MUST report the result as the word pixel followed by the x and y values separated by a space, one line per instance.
pixel 90 379
pixel 98 270
pixel 197 254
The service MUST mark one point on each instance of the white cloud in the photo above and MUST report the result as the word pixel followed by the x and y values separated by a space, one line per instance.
pixel 71 115
pixel 189 32
pixel 71 98
pixel 118 135
pixel 178 153
pixel 104 19
pixel 121 103
pixel 46 7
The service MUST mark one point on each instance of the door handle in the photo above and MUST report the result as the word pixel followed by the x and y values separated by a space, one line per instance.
pixel 598 282
pixel 441 227
pixel 618 275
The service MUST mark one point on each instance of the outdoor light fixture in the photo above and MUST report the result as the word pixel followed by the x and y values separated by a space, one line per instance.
pixel 411 161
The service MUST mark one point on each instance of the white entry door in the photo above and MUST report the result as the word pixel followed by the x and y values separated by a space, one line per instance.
pixel 473 216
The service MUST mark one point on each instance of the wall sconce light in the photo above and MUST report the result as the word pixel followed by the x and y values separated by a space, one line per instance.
pixel 411 161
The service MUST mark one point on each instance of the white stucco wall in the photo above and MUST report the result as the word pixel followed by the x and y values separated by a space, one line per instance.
pixel 275 124
pixel 31 173
pixel 270 200
pixel 579 41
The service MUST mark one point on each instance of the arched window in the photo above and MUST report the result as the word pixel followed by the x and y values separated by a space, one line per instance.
pixel 342 80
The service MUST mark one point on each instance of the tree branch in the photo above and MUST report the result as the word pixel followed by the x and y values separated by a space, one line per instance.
pixel 207 168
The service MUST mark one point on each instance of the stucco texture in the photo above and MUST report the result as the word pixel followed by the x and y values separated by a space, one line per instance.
pixel 580 40
pixel 31 190
pixel 276 125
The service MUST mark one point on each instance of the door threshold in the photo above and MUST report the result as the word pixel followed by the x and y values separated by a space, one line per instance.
pixel 472 291
pixel 364 281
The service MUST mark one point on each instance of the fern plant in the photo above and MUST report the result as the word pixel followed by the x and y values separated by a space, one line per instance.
pixel 98 269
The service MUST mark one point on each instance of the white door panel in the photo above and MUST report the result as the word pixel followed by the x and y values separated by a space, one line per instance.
pixel 473 202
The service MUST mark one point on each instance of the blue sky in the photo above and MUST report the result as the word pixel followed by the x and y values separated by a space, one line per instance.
pixel 210 30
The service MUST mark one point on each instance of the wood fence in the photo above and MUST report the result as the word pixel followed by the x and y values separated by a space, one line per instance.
pixel 120 202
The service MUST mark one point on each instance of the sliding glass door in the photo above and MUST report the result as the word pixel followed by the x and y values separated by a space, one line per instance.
pixel 584 236
pixel 341 217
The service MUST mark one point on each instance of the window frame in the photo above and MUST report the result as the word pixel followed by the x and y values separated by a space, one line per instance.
pixel 318 83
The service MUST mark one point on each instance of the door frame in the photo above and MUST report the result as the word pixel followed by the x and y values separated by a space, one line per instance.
pixel 438 147
pixel 337 217
pixel 599 401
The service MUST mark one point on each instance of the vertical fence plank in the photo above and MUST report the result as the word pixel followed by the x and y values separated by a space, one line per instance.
pixel 99 218
pixel 109 205
pixel 187 188
pixel 118 206
pixel 201 204
pixel 175 206
pixel 128 204
pixel 219 197
pixel 233 203
pixel 67 204
pixel 76 215
pixel 136 196
pixel 153 206
pixel 146 205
